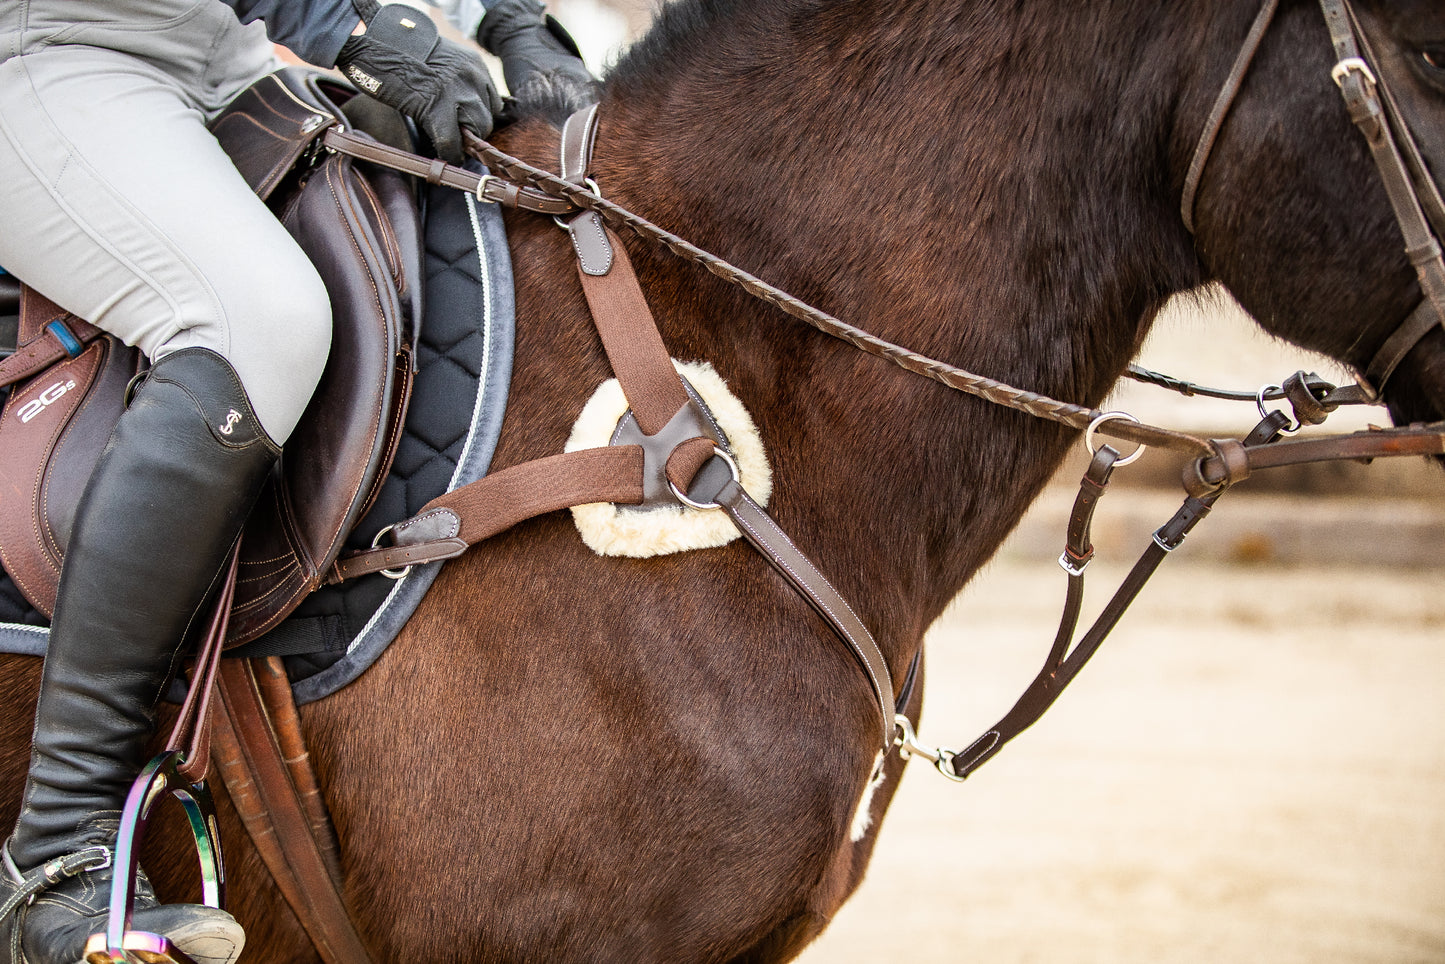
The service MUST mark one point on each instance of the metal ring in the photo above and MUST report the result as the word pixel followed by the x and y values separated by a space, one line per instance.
pixel 376 544
pixel 682 496
pixel 1265 413
pixel 557 220
pixel 1109 417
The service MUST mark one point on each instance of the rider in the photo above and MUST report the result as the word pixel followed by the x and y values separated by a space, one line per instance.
pixel 118 205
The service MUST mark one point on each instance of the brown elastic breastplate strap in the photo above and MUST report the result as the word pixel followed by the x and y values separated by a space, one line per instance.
pixel 517 493
pixel 630 336
pixel 496 502
pixel 259 781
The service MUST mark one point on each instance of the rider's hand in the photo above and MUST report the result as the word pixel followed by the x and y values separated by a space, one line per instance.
pixel 402 62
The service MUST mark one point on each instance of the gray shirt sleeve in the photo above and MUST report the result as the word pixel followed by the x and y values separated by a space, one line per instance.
pixel 313 29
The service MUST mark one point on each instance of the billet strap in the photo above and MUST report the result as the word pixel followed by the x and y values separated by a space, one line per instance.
pixel 192 730
pixel 259 781
pixel 484 187
pixel 47 334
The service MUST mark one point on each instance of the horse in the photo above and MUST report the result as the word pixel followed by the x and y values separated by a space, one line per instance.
pixel 575 757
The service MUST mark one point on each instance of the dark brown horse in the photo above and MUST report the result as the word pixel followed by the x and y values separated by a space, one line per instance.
pixel 569 757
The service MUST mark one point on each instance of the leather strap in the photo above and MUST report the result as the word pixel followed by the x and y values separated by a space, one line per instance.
pixel 578 135
pixel 1220 112
pixel 630 337
pixel 47 334
pixel 774 545
pixel 248 753
pixel 484 187
pixel 499 501
pixel 274 687
pixel 192 730
pixel 1062 665
pixel 1380 122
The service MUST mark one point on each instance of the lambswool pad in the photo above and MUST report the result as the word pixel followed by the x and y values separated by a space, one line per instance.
pixel 613 530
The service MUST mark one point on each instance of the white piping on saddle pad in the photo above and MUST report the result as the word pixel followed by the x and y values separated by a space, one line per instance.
pixel 611 530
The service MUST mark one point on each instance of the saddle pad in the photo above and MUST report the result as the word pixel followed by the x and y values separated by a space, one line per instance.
pixel 464 364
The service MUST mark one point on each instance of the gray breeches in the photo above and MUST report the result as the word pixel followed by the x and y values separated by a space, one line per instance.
pixel 118 205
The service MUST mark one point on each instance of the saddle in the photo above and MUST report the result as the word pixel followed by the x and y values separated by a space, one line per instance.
pixel 359 225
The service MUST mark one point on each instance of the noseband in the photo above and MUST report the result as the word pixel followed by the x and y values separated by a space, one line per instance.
pixel 1413 194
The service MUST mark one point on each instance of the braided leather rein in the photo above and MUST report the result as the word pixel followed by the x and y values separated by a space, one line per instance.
pixel 1213 462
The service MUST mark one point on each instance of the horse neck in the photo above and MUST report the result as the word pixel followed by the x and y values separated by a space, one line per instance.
pixel 991 187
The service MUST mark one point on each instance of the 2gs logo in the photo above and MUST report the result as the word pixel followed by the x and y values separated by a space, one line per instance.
pixel 44 400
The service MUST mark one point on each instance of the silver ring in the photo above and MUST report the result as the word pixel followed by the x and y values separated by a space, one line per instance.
pixel 682 496
pixel 376 544
pixel 1109 417
pixel 1264 412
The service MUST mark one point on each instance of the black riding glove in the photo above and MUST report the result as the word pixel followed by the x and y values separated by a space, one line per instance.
pixel 405 64
pixel 530 44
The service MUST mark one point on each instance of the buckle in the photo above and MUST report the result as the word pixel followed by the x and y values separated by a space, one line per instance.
pixel 1349 65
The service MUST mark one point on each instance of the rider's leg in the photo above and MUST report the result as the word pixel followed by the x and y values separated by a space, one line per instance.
pixel 120 207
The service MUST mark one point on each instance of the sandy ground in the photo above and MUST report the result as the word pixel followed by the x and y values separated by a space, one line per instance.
pixel 1251 770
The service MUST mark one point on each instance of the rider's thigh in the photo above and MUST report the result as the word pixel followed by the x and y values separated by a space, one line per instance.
pixel 117 204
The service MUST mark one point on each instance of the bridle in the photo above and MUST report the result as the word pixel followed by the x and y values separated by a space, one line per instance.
pixel 1413 194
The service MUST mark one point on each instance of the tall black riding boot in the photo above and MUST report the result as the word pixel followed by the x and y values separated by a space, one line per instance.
pixel 153 530
pixel 535 51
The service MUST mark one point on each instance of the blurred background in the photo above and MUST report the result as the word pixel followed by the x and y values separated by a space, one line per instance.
pixel 1252 769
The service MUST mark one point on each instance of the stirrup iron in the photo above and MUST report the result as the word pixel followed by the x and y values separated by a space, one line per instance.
pixel 161 777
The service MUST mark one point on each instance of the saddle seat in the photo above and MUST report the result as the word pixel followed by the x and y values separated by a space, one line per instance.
pixel 360 227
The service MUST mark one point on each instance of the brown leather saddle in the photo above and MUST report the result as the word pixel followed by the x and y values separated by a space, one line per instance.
pixel 359 225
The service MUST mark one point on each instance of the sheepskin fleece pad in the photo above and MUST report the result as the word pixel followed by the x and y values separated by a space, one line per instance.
pixel 612 530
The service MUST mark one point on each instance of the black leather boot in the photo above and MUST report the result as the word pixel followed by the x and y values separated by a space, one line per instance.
pixel 535 51
pixel 158 520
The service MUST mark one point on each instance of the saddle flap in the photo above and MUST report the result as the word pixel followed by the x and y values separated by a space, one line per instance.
pixel 361 231
pixel 52 431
